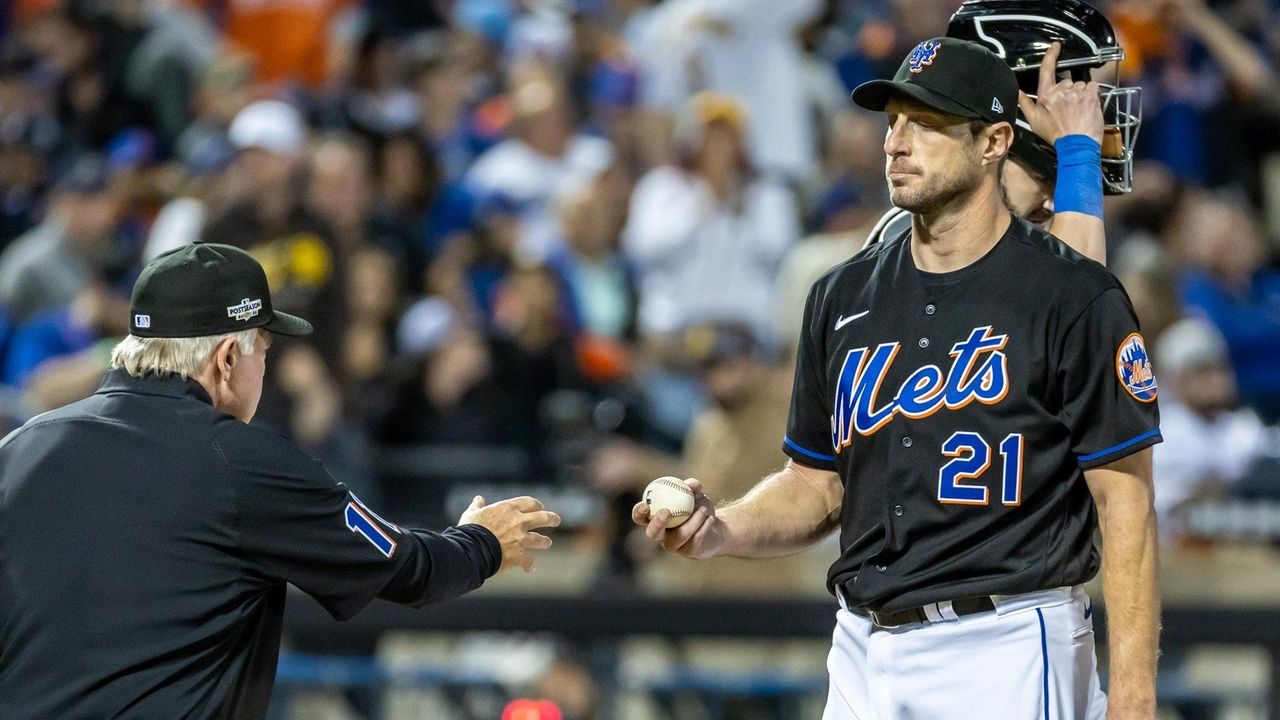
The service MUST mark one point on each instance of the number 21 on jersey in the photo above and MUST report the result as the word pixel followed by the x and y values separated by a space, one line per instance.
pixel 970 457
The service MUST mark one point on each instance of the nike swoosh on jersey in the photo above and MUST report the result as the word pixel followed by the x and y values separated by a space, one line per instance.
pixel 842 320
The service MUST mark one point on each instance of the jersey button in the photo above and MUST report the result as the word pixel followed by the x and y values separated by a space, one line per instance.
pixel 930 309
pixel 924 342
pixel 906 442
pixel 897 510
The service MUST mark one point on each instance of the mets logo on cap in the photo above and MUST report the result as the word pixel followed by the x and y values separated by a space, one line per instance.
pixel 923 55
pixel 1133 366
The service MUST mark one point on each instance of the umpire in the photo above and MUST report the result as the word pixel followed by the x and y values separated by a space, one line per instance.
pixel 147 533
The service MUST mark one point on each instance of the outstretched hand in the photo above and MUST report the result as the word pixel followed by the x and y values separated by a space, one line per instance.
pixel 513 522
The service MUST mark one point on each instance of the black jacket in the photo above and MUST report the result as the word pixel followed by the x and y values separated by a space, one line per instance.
pixel 146 540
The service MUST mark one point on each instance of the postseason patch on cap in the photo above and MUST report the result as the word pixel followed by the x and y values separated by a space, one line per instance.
pixel 245 309
pixel 923 55
pixel 1133 366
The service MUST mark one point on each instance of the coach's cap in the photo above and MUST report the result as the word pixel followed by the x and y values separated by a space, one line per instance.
pixel 955 76
pixel 205 289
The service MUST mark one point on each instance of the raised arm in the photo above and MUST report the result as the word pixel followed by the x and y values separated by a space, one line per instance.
pixel 1068 116
pixel 786 512
pixel 1244 65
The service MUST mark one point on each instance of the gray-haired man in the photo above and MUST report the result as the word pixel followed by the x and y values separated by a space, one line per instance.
pixel 147 533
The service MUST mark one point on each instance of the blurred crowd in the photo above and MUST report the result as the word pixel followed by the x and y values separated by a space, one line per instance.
pixel 567 241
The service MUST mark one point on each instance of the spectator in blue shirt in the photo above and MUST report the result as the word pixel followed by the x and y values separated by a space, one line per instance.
pixel 1227 283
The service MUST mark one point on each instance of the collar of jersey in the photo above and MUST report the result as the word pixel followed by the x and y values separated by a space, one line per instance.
pixel 151 384
pixel 947 278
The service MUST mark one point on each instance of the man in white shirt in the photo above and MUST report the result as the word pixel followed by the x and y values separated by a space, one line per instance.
pixel 1210 441
pixel 745 48
pixel 707 236
pixel 543 162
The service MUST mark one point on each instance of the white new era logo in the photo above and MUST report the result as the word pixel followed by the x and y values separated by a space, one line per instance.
pixel 996 106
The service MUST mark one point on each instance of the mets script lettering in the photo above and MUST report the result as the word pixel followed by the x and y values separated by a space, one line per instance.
pixel 979 371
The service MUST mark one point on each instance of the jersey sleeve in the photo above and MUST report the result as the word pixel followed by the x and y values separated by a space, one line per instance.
pixel 808 438
pixel 297 524
pixel 1108 384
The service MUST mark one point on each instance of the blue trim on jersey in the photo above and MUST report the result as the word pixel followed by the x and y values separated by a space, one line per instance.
pixel 816 456
pixel 1121 446
pixel 1044 656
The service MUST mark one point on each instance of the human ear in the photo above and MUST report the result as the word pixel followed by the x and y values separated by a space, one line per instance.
pixel 999 140
pixel 225 356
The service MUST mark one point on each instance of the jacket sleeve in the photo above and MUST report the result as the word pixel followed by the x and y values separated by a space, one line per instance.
pixel 297 524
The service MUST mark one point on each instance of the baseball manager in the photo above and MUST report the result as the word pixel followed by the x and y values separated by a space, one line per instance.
pixel 147 533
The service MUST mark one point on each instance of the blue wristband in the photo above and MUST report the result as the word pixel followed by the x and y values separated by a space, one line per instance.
pixel 1079 187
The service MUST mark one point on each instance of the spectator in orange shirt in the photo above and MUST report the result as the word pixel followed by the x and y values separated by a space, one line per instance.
pixel 288 38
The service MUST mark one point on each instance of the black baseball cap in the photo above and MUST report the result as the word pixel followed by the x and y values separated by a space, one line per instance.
pixel 955 76
pixel 206 289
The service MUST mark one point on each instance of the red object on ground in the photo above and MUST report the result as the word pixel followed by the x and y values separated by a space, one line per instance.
pixel 523 709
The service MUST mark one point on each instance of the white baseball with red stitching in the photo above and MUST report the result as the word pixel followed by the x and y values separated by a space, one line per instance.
pixel 671 494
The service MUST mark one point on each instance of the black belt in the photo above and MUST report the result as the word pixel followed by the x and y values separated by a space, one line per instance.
pixel 927 613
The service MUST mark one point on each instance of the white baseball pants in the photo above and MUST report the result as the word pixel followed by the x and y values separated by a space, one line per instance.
pixel 1030 659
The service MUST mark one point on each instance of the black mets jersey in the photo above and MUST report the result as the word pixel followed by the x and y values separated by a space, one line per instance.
pixel 961 410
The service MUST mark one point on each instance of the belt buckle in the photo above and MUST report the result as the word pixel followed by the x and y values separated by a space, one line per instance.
pixel 927 614
pixel 875 620
pixel 878 621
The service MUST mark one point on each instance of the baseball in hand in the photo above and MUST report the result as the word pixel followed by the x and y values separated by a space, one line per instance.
pixel 671 494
